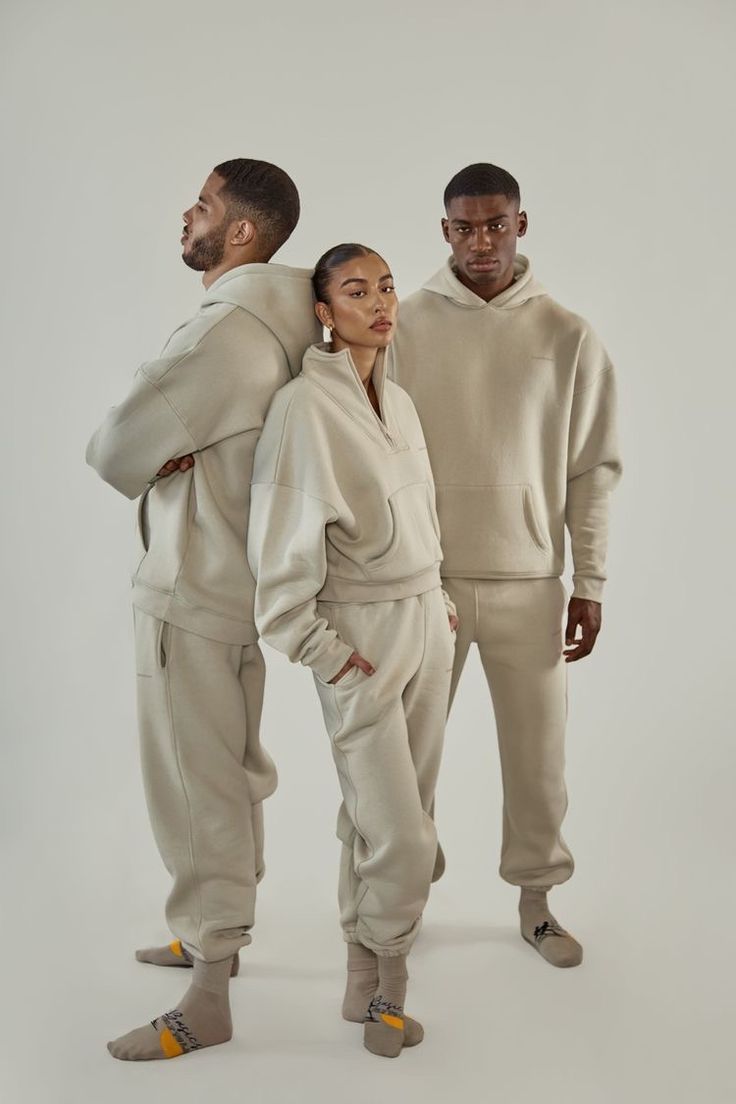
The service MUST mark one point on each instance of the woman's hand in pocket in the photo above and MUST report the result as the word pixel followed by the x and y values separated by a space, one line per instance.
pixel 355 660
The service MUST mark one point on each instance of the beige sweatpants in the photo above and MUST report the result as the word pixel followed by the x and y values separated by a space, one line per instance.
pixel 517 625
pixel 205 775
pixel 387 731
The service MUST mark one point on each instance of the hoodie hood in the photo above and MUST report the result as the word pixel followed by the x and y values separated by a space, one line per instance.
pixel 278 296
pixel 524 288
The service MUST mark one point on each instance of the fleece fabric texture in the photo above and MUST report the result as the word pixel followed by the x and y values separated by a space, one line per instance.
pixel 206 774
pixel 517 401
pixel 342 506
pixel 517 626
pixel 387 731
pixel 208 394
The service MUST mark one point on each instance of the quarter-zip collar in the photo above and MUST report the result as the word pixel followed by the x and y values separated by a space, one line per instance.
pixel 337 375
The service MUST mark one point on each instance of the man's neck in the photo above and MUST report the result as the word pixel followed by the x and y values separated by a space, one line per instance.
pixel 489 291
pixel 213 274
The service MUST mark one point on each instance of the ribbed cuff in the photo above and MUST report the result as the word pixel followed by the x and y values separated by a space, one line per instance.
pixel 331 660
pixel 586 586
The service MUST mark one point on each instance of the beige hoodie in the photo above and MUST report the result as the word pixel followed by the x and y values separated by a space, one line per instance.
pixel 342 506
pixel 517 401
pixel 208 393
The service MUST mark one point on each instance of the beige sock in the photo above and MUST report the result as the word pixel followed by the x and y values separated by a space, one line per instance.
pixel 386 1029
pixel 361 982
pixel 202 1019
pixel 174 954
pixel 539 927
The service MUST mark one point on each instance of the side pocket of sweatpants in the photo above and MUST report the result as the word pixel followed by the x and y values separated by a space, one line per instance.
pixel 330 708
pixel 162 643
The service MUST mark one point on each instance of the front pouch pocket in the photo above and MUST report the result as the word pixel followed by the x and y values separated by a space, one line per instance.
pixel 492 530
pixel 414 542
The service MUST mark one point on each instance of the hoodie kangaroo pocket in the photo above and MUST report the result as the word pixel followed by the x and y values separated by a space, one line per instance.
pixel 414 543
pixel 492 530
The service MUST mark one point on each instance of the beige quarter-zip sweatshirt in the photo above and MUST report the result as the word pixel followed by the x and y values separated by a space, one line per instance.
pixel 208 394
pixel 342 506
pixel 517 401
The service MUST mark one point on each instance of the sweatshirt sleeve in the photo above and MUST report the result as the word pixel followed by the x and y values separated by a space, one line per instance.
pixel 137 438
pixel 593 469
pixel 213 380
pixel 287 555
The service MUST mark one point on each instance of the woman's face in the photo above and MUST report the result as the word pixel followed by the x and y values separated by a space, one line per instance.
pixel 362 305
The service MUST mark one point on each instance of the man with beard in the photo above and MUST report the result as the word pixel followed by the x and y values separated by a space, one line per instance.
pixel 182 442
pixel 516 398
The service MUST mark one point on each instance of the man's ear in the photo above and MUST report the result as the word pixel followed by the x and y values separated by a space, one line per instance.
pixel 523 224
pixel 243 232
pixel 445 229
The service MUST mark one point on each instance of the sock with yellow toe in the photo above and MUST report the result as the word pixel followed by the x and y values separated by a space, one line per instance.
pixel 202 1019
pixel 386 1030
pixel 361 988
pixel 175 954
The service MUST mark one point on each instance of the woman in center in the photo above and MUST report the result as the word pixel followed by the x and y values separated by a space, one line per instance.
pixel 344 544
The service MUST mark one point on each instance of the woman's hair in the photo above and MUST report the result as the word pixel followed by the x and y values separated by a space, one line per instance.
pixel 330 261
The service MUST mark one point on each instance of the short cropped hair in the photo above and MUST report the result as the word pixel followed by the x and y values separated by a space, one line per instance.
pixel 480 180
pixel 263 193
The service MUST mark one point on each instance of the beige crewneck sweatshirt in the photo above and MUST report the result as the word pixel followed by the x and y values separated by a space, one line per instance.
pixel 517 401
pixel 342 506
pixel 208 394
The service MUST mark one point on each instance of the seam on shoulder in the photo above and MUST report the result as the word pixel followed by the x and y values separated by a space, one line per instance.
pixel 194 348
pixel 283 432
pixel 268 329
pixel 299 490
pixel 174 409
pixel 593 382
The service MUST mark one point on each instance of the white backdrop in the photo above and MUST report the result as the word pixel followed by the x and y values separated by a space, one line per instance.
pixel 616 120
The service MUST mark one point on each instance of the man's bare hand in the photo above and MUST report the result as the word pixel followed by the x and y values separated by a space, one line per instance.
pixel 583 614
pixel 355 660
pixel 181 463
pixel 454 621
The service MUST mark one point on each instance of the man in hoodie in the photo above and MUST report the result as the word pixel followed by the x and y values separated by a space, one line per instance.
pixel 516 397
pixel 182 443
